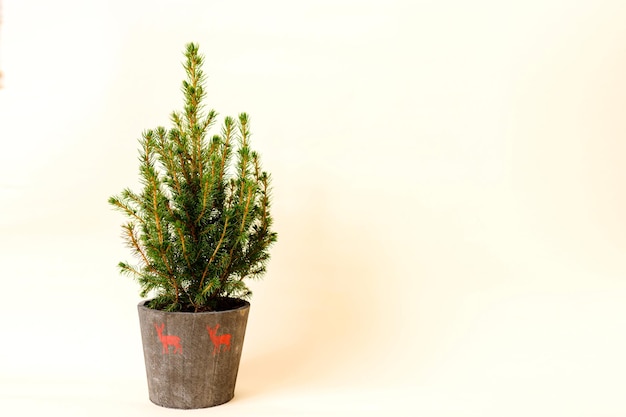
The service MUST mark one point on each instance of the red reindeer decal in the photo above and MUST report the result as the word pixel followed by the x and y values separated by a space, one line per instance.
pixel 168 340
pixel 218 341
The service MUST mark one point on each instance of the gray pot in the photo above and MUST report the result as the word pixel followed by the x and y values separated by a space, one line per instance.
pixel 192 359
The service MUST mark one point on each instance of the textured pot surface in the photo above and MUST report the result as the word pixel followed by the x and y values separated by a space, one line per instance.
pixel 192 359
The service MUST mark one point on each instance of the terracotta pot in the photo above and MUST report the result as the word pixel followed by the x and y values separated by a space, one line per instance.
pixel 192 359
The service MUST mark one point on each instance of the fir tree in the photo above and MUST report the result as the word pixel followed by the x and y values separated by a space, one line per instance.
pixel 202 222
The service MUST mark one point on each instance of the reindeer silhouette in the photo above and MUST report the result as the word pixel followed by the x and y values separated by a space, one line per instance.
pixel 218 341
pixel 167 340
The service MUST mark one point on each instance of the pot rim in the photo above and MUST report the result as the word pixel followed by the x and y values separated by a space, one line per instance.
pixel 246 305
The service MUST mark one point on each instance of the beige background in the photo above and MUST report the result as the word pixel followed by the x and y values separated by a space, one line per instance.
pixel 448 193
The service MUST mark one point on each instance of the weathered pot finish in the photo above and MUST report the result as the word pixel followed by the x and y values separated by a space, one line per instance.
pixel 192 359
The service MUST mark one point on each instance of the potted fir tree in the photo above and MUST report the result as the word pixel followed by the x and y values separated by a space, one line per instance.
pixel 199 227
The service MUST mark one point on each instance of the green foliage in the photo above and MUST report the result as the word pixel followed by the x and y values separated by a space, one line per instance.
pixel 202 222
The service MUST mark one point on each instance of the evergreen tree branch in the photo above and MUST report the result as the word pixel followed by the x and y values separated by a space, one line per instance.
pixel 133 242
pixel 217 248
pixel 125 208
